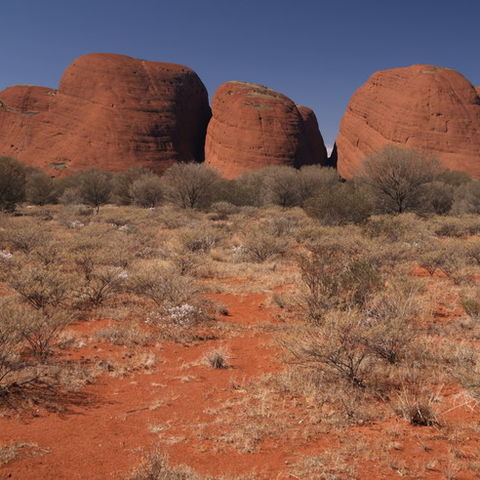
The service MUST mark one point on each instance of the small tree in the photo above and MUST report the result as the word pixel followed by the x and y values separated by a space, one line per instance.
pixel 282 186
pixel 122 183
pixel 12 183
pixel 436 197
pixel 314 180
pixel 95 187
pixel 467 198
pixel 40 189
pixel 147 190
pixel 339 204
pixel 396 176
pixel 190 185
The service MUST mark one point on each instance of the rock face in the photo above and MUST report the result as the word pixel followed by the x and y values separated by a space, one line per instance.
pixel 316 151
pixel 422 107
pixel 110 111
pixel 253 126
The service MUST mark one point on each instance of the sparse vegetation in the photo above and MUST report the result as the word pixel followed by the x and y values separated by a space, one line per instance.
pixel 311 310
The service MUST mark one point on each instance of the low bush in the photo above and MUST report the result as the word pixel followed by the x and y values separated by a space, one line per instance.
pixel 337 345
pixel 12 183
pixel 260 245
pixel 40 189
pixel 340 204
pixel 155 467
pixel 147 190
pixel 333 278
pixel 42 287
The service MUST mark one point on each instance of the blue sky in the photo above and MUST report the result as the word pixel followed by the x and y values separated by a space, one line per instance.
pixel 316 52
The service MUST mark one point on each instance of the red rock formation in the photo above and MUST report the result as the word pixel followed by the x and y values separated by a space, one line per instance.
pixel 253 126
pixel 316 150
pixel 110 111
pixel 422 107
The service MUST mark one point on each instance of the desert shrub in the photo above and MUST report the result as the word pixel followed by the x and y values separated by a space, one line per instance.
pixel 95 187
pixel 41 287
pixel 419 409
pixel 190 185
pixel 71 196
pixel 163 285
pixel 281 186
pixel 217 359
pixel 185 262
pixel 337 345
pixel 155 467
pixel 122 183
pixel 397 175
pixel 223 209
pixel 472 251
pixel 455 178
pixel 471 307
pixel 24 235
pixel 463 362
pixel 470 302
pixel 200 239
pixel 332 278
pixel 38 329
pixel 405 228
pixel 103 245
pixel 100 284
pixel 260 245
pixel 179 305
pixel 443 256
pixel 315 179
pixel 11 346
pixel 12 183
pixel 338 204
pixel 126 334
pixel 283 223
pixel 436 197
pixel 391 321
pixel 457 226
pixel 467 198
pixel 147 190
pixel 248 189
pixel 40 189
pixel 48 253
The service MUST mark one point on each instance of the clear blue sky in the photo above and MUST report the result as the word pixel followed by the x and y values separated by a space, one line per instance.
pixel 316 52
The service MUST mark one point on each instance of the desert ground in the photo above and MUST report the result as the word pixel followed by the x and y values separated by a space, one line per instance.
pixel 238 343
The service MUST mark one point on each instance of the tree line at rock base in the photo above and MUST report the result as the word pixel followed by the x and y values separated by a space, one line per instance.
pixel 393 180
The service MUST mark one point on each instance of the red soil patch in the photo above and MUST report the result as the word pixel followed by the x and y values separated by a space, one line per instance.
pixel 182 406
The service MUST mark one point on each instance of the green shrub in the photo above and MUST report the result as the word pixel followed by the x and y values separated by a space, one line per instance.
pixel 12 183
pixel 190 185
pixel 95 187
pixel 340 204
pixel 396 176
pixel 147 190
pixel 40 189
pixel 333 278
pixel 122 183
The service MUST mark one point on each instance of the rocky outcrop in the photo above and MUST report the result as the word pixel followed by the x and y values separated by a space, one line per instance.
pixel 423 107
pixel 110 111
pixel 253 126
pixel 316 152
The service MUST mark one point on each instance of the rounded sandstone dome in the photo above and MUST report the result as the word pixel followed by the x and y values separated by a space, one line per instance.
pixel 253 126
pixel 422 107
pixel 112 112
